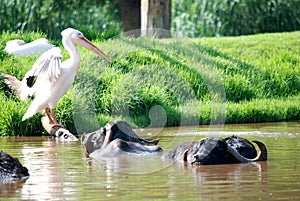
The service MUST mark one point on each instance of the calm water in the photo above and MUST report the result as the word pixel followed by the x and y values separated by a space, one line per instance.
pixel 59 171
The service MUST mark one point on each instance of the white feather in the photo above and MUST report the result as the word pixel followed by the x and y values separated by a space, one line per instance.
pixel 49 65
pixel 20 48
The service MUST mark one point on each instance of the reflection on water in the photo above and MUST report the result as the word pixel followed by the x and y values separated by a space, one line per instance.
pixel 7 187
pixel 59 170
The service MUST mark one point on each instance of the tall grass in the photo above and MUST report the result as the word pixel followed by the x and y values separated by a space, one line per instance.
pixel 259 110
pixel 51 17
pixel 170 82
pixel 11 112
pixel 234 17
pixel 189 17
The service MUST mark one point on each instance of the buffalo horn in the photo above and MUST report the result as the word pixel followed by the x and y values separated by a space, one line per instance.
pixel 261 155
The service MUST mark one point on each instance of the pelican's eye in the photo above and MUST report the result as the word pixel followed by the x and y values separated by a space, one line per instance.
pixel 80 35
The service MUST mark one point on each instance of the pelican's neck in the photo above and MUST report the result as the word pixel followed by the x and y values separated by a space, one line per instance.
pixel 72 50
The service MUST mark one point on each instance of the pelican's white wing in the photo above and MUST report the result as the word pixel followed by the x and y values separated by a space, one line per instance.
pixel 48 63
pixel 47 68
pixel 20 48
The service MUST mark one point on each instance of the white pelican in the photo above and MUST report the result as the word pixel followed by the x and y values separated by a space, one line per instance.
pixel 49 79
pixel 20 48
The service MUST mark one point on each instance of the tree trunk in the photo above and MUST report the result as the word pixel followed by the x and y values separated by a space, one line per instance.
pixel 156 18
pixel 131 17
pixel 151 18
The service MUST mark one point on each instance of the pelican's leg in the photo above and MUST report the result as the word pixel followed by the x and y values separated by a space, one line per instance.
pixel 53 116
pixel 49 116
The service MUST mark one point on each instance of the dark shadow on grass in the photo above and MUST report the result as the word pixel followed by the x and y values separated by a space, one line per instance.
pixel 205 79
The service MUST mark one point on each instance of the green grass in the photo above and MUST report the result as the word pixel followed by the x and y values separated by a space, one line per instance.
pixel 233 18
pixel 169 82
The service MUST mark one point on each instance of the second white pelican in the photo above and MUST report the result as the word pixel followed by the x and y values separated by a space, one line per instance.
pixel 50 79
pixel 20 48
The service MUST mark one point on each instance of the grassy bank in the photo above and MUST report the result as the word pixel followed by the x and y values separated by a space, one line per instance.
pixel 170 82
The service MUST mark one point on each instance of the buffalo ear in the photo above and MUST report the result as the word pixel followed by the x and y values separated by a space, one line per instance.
pixel 184 156
pixel 108 137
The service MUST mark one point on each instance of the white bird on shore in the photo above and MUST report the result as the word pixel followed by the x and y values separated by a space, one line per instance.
pixel 49 79
pixel 20 48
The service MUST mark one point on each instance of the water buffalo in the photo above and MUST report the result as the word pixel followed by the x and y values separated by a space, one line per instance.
pixel 115 138
pixel 57 131
pixel 213 151
pixel 11 168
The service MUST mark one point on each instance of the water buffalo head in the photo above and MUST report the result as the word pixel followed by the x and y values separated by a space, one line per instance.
pixel 94 140
pixel 207 151
pixel 115 130
pixel 60 133
pixel 211 151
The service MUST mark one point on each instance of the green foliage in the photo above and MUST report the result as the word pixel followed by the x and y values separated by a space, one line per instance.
pixel 239 87
pixel 259 110
pixel 52 16
pixel 189 18
pixel 234 17
pixel 11 112
pixel 169 82
pixel 269 66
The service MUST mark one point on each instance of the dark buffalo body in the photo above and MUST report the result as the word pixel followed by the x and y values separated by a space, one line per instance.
pixel 11 168
pixel 115 138
pixel 212 151
pixel 122 130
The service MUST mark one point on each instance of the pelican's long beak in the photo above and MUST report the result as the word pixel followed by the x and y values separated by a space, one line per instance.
pixel 86 43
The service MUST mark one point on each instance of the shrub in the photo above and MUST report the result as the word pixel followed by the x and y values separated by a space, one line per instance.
pixel 232 18
pixel 42 15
